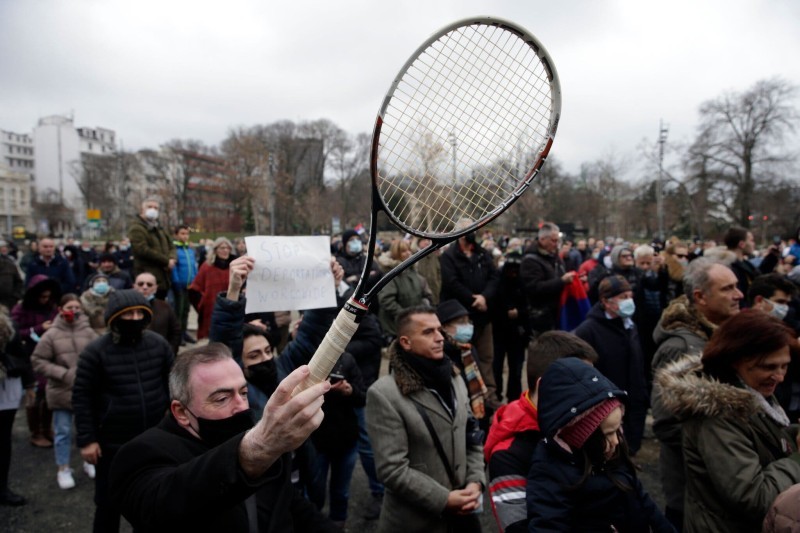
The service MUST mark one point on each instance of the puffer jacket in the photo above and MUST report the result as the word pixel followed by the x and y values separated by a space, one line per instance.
pixel 569 388
pixel 121 389
pixel 186 266
pixel 738 458
pixel 784 515
pixel 56 358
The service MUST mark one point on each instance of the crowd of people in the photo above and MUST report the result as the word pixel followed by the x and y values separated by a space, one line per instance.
pixel 523 369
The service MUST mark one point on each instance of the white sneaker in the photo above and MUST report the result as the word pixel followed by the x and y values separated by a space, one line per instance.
pixel 89 470
pixel 65 479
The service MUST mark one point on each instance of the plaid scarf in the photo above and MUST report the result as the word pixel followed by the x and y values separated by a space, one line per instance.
pixel 475 385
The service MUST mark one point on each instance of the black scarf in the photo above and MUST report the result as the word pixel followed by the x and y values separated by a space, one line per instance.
pixel 436 374
pixel 223 263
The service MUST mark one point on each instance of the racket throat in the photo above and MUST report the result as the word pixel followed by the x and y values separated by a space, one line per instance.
pixel 358 308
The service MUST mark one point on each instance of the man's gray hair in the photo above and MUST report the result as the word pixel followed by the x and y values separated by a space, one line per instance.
pixel 696 276
pixel 182 369
pixel 547 230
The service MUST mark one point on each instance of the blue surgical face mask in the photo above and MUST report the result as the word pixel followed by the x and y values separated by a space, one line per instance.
pixel 778 310
pixel 354 246
pixel 463 333
pixel 626 308
pixel 101 287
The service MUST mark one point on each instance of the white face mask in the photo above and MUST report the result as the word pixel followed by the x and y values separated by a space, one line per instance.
pixel 151 213
pixel 778 310
pixel 626 308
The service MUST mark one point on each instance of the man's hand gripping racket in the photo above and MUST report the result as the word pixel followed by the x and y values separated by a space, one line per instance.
pixel 463 130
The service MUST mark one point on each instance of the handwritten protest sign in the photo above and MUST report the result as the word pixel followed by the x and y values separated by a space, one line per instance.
pixel 290 273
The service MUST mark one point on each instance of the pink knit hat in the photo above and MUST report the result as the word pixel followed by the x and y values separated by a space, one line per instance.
pixel 580 429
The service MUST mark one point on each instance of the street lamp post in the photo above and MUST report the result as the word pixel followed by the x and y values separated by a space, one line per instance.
pixel 662 139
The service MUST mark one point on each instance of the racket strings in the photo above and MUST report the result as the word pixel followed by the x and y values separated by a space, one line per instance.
pixel 452 132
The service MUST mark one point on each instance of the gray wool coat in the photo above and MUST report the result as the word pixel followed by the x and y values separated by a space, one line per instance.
pixel 406 459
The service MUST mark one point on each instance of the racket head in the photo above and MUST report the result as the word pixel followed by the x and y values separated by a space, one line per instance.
pixel 464 128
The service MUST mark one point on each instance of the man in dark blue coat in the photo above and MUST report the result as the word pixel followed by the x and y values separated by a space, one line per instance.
pixel 610 330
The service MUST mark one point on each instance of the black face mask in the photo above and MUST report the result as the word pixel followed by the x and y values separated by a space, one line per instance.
pixel 215 432
pixel 469 238
pixel 129 331
pixel 263 375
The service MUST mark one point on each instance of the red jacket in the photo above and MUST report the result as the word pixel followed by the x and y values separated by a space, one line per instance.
pixel 508 450
pixel 209 282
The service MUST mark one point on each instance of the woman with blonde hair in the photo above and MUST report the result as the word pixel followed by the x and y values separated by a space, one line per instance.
pixel 408 289
pixel 211 279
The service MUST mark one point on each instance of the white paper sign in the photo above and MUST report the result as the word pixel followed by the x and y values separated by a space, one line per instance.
pixel 290 273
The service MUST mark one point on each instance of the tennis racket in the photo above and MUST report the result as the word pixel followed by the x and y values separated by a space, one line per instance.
pixel 463 130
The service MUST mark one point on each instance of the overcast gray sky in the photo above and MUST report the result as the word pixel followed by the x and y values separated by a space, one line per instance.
pixel 157 70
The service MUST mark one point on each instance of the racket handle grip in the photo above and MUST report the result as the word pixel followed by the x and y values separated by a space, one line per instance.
pixel 332 346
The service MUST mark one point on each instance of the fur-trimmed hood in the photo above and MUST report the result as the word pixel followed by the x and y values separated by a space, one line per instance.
pixel 720 254
pixel 688 393
pixel 680 314
pixel 407 379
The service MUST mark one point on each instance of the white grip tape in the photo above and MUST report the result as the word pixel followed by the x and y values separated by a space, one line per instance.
pixel 332 346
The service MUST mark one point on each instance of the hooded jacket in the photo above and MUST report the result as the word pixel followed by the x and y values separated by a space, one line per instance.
pixel 56 358
pixel 512 438
pixel 738 459
pixel 682 330
pixel 417 484
pixel 569 388
pixel 29 315
pixel 121 388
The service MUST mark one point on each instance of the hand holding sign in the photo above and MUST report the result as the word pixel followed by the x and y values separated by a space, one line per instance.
pixel 289 273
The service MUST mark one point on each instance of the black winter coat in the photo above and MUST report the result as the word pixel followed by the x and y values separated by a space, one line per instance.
pixel 168 480
pixel 540 274
pixel 338 432
pixel 569 388
pixel 464 276
pixel 120 390
pixel 619 351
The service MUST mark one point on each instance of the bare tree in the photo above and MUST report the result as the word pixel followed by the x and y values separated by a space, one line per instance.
pixel 740 136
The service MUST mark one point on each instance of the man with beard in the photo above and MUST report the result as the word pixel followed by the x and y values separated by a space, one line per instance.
pixel 207 466
pixel 120 391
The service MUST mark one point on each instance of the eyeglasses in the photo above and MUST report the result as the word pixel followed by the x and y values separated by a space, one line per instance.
pixel 681 256
pixel 625 256
pixel 144 284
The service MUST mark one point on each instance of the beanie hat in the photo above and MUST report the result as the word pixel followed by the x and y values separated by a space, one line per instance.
pixel 581 428
pixel 449 310
pixel 107 258
pixel 123 301
pixel 349 234
pixel 612 286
